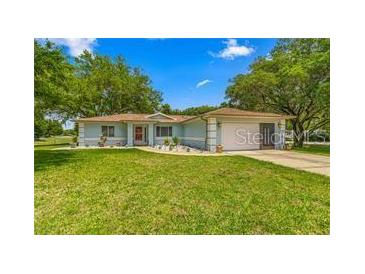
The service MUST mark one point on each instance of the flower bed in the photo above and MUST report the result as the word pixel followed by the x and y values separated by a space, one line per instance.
pixel 177 148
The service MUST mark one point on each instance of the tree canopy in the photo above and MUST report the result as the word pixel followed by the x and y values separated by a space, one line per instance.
pixel 89 85
pixel 104 86
pixel 294 79
pixel 53 75
pixel 194 111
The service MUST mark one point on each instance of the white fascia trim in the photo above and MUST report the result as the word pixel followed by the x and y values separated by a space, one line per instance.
pixel 139 123
pixel 244 117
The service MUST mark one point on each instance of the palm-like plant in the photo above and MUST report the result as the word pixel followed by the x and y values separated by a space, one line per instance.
pixel 176 140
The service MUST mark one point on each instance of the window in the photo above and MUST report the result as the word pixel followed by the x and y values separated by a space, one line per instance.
pixel 111 131
pixel 104 130
pixel 107 131
pixel 163 131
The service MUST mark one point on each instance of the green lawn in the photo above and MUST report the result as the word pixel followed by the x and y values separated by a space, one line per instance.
pixel 137 192
pixel 52 142
pixel 314 149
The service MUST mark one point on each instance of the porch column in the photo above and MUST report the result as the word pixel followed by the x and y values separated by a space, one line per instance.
pixel 211 134
pixel 150 134
pixel 281 131
pixel 81 135
pixel 129 134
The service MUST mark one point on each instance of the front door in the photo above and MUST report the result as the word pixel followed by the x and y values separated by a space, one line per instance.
pixel 140 135
pixel 267 131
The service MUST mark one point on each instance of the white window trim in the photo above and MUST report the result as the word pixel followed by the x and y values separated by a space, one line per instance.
pixel 160 132
pixel 107 135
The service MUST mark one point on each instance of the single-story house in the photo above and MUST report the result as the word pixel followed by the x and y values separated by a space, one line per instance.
pixel 232 128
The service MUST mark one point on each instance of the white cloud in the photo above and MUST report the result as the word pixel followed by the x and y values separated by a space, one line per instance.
pixel 233 50
pixel 76 45
pixel 203 83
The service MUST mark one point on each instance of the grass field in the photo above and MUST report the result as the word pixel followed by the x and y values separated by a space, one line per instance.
pixel 136 192
pixel 314 149
pixel 52 142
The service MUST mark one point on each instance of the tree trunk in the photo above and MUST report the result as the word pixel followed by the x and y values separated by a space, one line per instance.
pixel 298 141
pixel 298 134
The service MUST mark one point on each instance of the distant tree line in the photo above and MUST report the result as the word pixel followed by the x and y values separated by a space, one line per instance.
pixel 47 128
pixel 166 108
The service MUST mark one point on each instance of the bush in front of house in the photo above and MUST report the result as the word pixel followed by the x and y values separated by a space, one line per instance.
pixel 102 142
pixel 176 141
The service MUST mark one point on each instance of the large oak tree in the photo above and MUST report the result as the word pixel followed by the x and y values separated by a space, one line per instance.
pixel 89 85
pixel 106 86
pixel 294 79
pixel 53 75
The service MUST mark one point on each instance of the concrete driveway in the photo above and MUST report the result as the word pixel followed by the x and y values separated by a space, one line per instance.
pixel 308 162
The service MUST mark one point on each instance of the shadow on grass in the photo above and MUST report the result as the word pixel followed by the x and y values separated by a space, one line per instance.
pixel 44 159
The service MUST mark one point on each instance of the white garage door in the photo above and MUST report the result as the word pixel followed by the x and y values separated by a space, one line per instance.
pixel 240 136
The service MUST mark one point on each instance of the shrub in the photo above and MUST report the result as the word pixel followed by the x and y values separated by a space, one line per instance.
pixel 166 142
pixel 176 140
pixel 102 141
pixel 69 132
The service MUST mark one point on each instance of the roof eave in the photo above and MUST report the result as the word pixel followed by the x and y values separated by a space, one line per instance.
pixel 249 116
pixel 162 114
pixel 189 119
pixel 127 120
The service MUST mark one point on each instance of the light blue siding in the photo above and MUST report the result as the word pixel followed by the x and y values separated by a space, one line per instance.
pixel 194 134
pixel 195 129
pixel 93 132
pixel 176 131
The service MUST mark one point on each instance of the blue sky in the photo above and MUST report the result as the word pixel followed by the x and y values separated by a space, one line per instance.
pixel 189 72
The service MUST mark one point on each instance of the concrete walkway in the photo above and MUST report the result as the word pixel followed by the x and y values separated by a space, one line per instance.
pixel 308 162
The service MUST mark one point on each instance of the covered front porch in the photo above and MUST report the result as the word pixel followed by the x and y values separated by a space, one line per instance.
pixel 140 134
